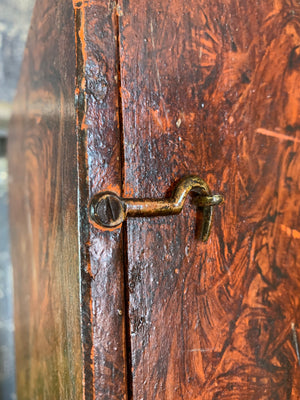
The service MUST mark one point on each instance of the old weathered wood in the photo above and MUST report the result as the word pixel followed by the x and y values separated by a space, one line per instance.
pixel 211 88
pixel 43 211
pixel 64 146
pixel 100 167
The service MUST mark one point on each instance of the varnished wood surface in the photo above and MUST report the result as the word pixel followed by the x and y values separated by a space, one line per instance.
pixel 43 211
pixel 211 88
pixel 100 169
pixel 65 146
pixel 208 89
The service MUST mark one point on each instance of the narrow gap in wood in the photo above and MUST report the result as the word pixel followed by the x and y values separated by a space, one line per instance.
pixel 124 227
pixel 126 310
pixel 83 222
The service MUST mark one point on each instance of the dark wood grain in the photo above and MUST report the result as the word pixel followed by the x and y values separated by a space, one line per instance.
pixel 100 166
pixel 211 88
pixel 64 146
pixel 43 211
pixel 207 88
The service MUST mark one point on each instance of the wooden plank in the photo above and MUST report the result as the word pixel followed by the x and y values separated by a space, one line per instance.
pixel 64 146
pixel 210 88
pixel 43 211
pixel 100 166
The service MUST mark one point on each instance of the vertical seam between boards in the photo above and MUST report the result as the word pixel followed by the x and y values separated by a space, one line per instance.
pixel 128 359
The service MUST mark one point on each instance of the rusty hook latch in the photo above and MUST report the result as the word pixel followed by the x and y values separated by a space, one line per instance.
pixel 108 210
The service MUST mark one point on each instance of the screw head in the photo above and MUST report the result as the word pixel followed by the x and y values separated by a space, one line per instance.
pixel 107 209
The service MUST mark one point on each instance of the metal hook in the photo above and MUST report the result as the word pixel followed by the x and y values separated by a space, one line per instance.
pixel 108 210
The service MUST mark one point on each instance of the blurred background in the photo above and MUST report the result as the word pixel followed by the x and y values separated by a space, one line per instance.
pixel 15 18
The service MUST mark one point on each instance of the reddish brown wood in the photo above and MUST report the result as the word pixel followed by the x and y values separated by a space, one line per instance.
pixel 211 88
pixel 207 88
pixel 43 211
pixel 100 166
pixel 64 146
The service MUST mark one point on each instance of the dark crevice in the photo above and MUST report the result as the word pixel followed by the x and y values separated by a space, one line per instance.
pixel 83 223
pixel 127 320
pixel 124 227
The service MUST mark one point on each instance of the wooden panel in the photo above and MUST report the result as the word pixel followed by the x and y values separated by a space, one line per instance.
pixel 69 298
pixel 211 88
pixel 99 147
pixel 43 211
